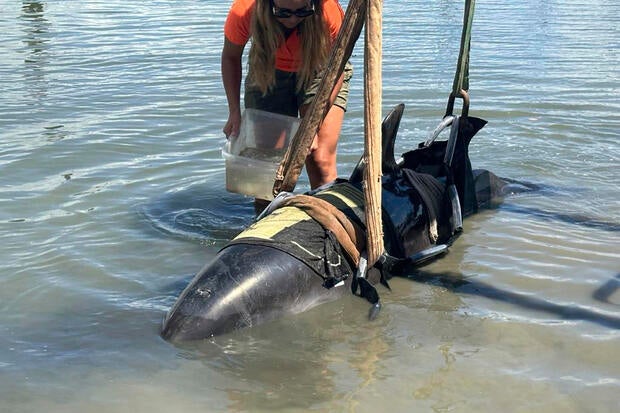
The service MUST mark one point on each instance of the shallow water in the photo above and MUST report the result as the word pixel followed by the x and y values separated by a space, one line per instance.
pixel 112 196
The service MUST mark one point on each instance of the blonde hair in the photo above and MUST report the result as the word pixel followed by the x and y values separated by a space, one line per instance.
pixel 268 35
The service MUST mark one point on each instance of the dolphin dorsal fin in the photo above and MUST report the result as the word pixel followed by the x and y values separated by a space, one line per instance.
pixel 389 129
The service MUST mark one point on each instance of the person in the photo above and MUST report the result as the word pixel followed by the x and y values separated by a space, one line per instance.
pixel 291 43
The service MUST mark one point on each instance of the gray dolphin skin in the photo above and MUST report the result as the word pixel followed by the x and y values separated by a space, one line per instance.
pixel 424 198
pixel 245 285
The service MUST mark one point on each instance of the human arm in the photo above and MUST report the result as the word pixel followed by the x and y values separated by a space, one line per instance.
pixel 231 78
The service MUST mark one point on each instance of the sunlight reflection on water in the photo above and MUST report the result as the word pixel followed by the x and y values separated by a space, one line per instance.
pixel 112 196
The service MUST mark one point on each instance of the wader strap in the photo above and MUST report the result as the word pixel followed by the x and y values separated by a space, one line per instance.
pixel 350 236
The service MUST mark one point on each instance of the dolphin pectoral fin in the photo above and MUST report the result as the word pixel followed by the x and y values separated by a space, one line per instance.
pixel 390 266
pixel 386 267
pixel 381 271
pixel 374 310
pixel 366 289
pixel 427 254
pixel 369 292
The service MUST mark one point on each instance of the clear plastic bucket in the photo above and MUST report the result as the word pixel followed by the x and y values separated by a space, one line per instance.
pixel 253 157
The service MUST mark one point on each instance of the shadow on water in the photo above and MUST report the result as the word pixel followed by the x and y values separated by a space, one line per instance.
pixel 459 284
pixel 289 362
pixel 275 373
pixel 33 14
pixel 515 187
pixel 202 214
pixel 573 219
pixel 542 188
pixel 604 292
pixel 36 40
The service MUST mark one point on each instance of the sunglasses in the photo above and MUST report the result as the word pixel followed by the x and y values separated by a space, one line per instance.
pixel 283 13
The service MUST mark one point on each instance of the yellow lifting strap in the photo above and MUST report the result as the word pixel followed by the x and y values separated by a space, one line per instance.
pixel 350 236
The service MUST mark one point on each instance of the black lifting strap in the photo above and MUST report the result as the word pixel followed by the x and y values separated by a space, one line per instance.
pixel 460 86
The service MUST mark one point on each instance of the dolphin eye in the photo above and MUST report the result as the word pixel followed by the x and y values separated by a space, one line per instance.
pixel 204 292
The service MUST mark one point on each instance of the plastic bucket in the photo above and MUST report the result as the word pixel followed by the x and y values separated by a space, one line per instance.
pixel 253 157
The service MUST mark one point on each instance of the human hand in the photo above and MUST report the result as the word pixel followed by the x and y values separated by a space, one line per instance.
pixel 231 128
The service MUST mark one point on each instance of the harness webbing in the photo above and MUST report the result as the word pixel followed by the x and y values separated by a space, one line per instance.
pixel 431 191
pixel 461 77
pixel 460 86
pixel 351 236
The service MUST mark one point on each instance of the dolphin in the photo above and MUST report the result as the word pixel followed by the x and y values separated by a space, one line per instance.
pixel 287 262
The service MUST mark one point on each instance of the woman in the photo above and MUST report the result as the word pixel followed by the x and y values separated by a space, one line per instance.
pixel 291 43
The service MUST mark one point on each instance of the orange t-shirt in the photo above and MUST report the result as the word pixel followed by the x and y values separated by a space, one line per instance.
pixel 288 56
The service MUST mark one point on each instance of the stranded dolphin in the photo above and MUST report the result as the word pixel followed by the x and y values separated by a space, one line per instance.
pixel 293 257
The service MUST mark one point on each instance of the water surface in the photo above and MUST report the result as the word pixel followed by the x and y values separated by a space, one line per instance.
pixel 112 196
